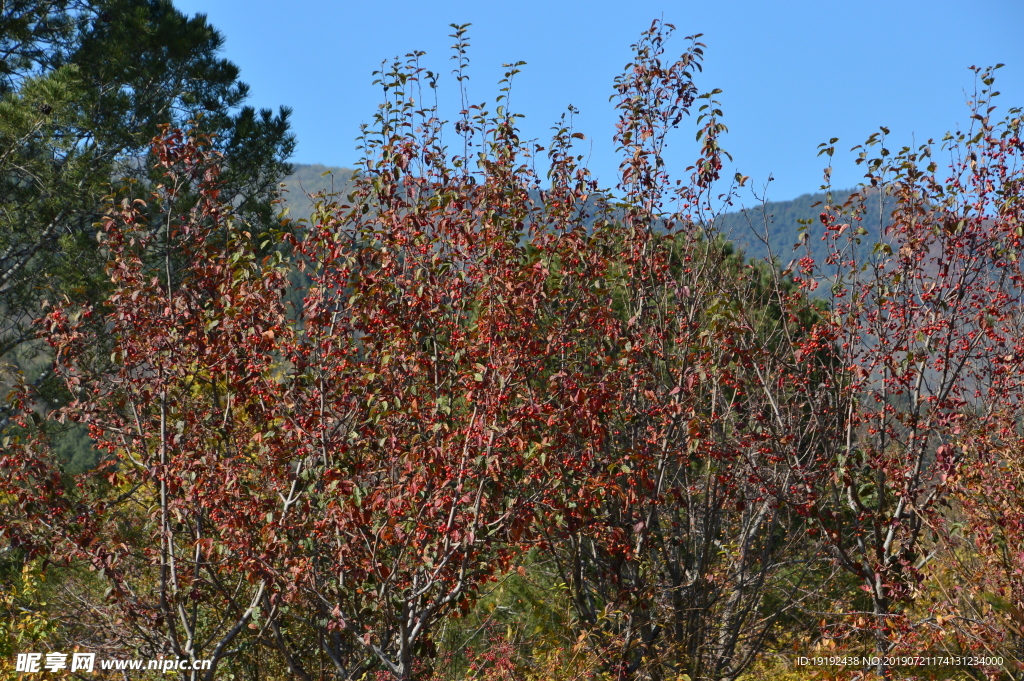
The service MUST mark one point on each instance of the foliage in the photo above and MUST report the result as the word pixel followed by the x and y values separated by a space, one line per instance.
pixel 84 88
pixel 927 329
pixel 109 523
pixel 491 390
pixel 25 622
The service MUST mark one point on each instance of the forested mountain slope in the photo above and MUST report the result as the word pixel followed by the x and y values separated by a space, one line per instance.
pixel 777 225
pixel 310 179
pixel 753 229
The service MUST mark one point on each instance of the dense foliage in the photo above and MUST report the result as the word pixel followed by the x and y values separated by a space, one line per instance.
pixel 469 423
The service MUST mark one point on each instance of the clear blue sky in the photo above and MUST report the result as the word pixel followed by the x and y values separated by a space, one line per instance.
pixel 794 74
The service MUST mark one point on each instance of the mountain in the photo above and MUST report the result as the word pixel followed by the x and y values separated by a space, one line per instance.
pixel 309 179
pixel 777 224
pixel 779 221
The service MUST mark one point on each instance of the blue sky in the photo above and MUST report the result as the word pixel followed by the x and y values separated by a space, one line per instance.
pixel 793 74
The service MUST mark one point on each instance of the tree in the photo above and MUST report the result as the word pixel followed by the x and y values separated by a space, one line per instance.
pixel 926 332
pixel 484 370
pixel 184 294
pixel 448 394
pixel 381 433
pixel 84 88
pixel 666 546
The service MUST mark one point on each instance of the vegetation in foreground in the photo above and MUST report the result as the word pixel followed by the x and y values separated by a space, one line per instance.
pixel 516 429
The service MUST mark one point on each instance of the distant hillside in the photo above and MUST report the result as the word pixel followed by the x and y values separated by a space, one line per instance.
pixel 779 219
pixel 309 179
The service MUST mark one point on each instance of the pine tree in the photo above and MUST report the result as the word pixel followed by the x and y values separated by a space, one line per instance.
pixel 84 87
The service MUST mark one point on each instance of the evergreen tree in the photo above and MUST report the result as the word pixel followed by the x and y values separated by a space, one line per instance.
pixel 84 86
